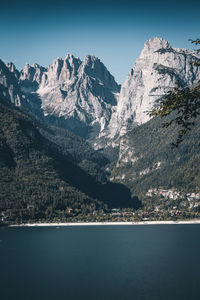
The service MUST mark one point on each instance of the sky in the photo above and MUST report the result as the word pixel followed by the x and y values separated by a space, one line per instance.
pixel 115 31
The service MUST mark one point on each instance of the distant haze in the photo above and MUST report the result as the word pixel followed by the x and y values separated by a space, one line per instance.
pixel 114 31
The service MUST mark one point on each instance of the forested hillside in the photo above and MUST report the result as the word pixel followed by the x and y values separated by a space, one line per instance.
pixel 43 174
pixel 148 160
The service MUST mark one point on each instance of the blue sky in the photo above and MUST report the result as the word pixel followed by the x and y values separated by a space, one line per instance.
pixel 114 31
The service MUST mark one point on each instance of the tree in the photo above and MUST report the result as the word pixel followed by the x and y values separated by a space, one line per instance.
pixel 184 101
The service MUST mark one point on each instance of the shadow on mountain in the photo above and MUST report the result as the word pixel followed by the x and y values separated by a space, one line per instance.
pixel 42 167
pixel 115 195
pixel 73 124
pixel 6 154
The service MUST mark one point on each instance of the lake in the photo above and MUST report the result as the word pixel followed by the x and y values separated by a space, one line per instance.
pixel 100 262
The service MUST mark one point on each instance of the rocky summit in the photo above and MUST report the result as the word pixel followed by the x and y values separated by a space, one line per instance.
pixel 9 87
pixel 84 97
pixel 75 94
pixel 158 69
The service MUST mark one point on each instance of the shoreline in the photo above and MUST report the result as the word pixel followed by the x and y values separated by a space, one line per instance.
pixel 195 221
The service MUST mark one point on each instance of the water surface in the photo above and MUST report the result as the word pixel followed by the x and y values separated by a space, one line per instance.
pixel 100 262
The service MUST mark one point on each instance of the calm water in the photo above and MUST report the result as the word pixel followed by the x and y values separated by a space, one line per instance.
pixel 111 262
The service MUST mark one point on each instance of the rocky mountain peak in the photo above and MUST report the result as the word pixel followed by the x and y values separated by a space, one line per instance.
pixel 13 69
pixel 31 77
pixel 156 71
pixel 155 44
pixel 84 97
pixel 32 73
pixel 71 66
pixel 54 69
pixel 78 94
pixel 61 71
pixel 93 67
pixel 9 87
pixel 91 60
pixel 69 56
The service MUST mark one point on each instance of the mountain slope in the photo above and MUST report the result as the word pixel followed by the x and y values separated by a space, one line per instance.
pixel 147 159
pixel 83 96
pixel 158 69
pixel 36 172
pixel 78 95
pixel 9 87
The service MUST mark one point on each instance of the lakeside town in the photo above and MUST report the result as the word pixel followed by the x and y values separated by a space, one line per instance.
pixel 173 194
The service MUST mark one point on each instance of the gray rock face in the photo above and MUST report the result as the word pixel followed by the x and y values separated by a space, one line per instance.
pixel 84 97
pixel 11 67
pixel 156 71
pixel 78 94
pixel 19 87
pixel 9 87
pixel 30 77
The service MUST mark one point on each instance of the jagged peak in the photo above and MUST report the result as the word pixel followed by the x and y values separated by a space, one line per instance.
pixel 154 44
pixel 91 58
pixel 56 60
pixel 91 63
pixel 72 60
pixel 9 70
pixel 69 56
pixel 10 65
pixel 94 63
pixel 27 66
pixel 56 64
pixel 29 71
pixel 25 69
pixel 4 66
pixel 12 68
pixel 158 42
pixel 37 66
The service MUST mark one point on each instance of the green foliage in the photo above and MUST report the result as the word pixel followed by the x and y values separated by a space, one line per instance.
pixel 91 161
pixel 150 144
pixel 185 102
pixel 41 179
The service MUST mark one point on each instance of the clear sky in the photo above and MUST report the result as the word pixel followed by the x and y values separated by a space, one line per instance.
pixel 114 31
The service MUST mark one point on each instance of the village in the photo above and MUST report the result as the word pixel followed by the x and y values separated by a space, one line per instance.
pixel 173 194
pixel 183 203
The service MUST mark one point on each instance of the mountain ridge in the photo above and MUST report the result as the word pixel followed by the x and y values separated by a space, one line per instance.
pixel 52 117
pixel 158 69
pixel 84 97
pixel 36 170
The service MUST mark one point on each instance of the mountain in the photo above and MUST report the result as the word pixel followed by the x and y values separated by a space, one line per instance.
pixel 11 67
pixel 53 118
pixel 83 96
pixel 78 95
pixel 37 170
pixel 9 86
pixel 148 160
pixel 70 93
pixel 158 69
pixel 13 91
pixel 30 78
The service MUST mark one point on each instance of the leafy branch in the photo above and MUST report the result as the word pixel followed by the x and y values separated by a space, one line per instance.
pixel 186 103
